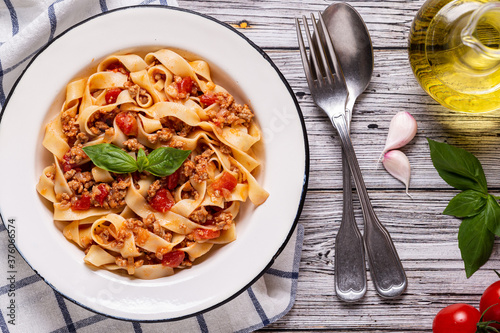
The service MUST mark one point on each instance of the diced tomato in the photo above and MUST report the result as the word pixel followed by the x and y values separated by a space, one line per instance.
pixel 66 166
pixel 208 99
pixel 201 234
pixel 185 85
pixel 117 67
pixel 173 258
pixel 112 95
pixel 226 181
pixel 127 123
pixel 173 179
pixel 162 201
pixel 103 189
pixel 82 204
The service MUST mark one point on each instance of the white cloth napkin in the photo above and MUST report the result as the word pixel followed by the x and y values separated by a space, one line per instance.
pixel 25 27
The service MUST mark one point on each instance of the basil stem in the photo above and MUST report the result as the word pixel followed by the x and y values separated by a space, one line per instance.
pixel 142 160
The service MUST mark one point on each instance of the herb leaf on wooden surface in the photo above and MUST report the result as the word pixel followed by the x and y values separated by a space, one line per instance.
pixel 480 211
pixel 466 204
pixel 458 167
pixel 475 241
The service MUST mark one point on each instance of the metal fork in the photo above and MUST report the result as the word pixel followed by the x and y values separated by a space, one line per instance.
pixel 329 92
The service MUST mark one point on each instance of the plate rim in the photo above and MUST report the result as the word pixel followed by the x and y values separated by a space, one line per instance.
pixel 306 157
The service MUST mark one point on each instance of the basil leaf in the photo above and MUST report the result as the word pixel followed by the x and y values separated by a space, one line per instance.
pixel 109 157
pixel 493 215
pixel 475 241
pixel 142 160
pixel 164 161
pixel 466 204
pixel 458 167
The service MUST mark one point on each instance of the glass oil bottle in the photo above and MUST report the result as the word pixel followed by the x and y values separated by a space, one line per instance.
pixel 454 51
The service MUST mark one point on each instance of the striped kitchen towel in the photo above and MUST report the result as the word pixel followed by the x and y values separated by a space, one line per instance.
pixel 25 27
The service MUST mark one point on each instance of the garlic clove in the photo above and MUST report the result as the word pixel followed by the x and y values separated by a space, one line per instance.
pixel 398 165
pixel 402 130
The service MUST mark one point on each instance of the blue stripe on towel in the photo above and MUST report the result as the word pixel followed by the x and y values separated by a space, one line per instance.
pixel 21 283
pixel 104 5
pixel 2 93
pixel 282 274
pixel 53 19
pixel 137 327
pixel 13 17
pixel 258 307
pixel 65 312
pixel 202 323
pixel 82 323
pixel 3 324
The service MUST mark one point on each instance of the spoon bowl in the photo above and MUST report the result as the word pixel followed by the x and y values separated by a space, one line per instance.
pixel 353 47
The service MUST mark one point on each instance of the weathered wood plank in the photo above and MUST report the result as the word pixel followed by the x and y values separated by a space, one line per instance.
pixel 393 88
pixel 270 23
pixel 426 242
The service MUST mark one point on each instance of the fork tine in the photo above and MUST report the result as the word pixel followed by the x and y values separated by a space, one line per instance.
pixel 321 51
pixel 303 53
pixel 330 48
pixel 314 57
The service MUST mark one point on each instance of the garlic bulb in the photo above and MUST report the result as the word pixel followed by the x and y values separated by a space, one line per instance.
pixel 398 165
pixel 402 130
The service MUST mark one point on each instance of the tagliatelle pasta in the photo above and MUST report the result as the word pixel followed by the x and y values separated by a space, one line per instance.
pixel 135 221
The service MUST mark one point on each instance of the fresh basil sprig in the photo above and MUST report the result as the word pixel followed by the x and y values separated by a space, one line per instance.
pixel 160 162
pixel 479 209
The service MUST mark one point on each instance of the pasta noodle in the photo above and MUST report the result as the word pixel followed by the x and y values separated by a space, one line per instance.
pixel 135 221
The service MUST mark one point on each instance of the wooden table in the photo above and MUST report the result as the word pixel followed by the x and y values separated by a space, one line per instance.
pixel 425 239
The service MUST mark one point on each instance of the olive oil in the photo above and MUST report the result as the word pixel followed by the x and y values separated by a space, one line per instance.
pixel 454 51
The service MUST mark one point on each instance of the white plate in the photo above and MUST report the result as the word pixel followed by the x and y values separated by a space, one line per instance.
pixel 243 69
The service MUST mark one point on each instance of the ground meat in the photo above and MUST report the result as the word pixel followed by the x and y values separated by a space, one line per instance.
pixel 177 144
pixel 116 197
pixel 151 224
pixel 230 112
pixel 153 138
pixel 188 192
pixel 155 186
pixel 64 200
pixel 187 168
pixel 75 155
pixel 133 144
pixel 223 220
pixel 80 181
pixel 199 215
pixel 133 89
pixel 165 134
pixel 172 90
pixel 81 138
pixel 100 121
pixel 51 174
pixel 186 262
pixel 69 174
pixel 201 166
pixel 121 262
pixel 69 123
pixel 179 127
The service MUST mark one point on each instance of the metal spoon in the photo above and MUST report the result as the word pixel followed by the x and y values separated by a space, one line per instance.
pixel 354 51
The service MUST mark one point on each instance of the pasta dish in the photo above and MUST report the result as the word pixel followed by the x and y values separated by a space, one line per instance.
pixel 151 162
